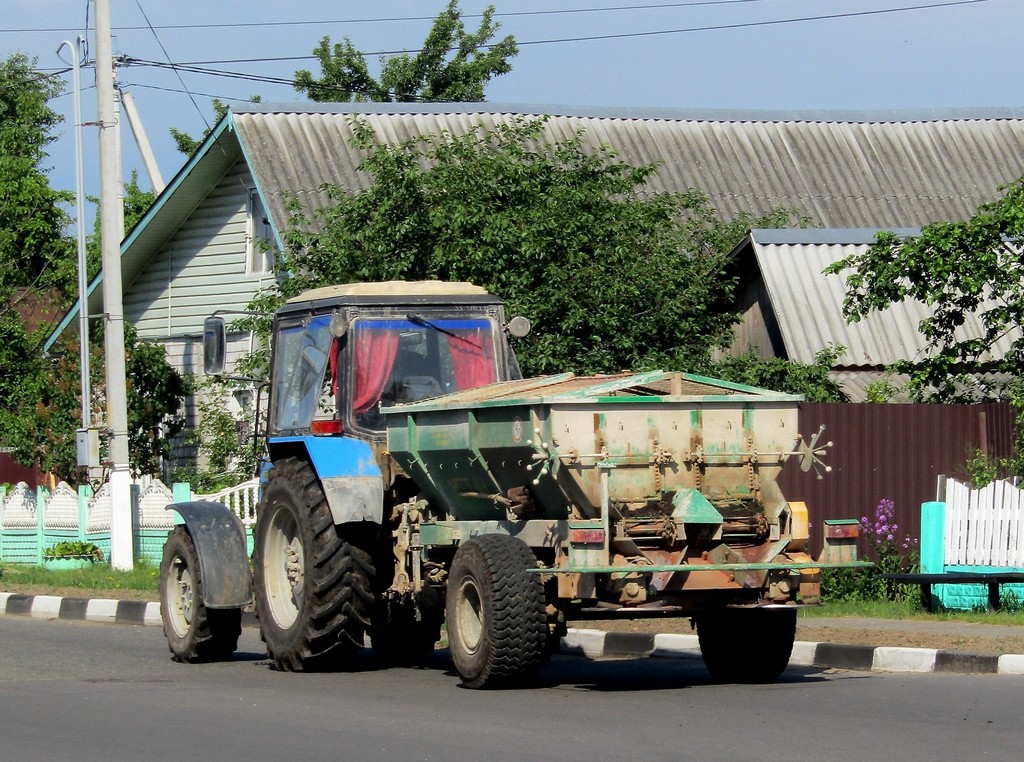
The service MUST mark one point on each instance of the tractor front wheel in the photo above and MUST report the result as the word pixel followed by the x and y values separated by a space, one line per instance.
pixel 194 633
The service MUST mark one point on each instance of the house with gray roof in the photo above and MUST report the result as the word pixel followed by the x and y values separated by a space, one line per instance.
pixel 791 310
pixel 206 243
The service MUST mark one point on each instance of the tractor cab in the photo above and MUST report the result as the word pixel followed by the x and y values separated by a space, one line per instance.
pixel 340 353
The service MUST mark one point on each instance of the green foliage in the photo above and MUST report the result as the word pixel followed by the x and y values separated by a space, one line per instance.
pixel 37 266
pixel 74 549
pixel 156 394
pixel 452 65
pixel 892 554
pixel 228 458
pixel 33 248
pixel 45 409
pixel 812 381
pixel 136 202
pixel 612 275
pixel 958 269
pixel 40 398
pixel 880 392
pixel 981 469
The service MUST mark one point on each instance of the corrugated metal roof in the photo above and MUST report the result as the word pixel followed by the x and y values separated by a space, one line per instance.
pixel 809 305
pixel 892 169
pixel 842 169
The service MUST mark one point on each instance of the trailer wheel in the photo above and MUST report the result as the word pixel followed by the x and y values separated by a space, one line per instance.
pixel 747 645
pixel 194 633
pixel 497 627
pixel 313 578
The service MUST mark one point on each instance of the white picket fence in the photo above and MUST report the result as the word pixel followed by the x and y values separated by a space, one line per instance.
pixel 32 520
pixel 241 499
pixel 984 527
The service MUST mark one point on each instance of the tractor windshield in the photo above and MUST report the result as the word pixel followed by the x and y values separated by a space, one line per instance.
pixel 415 357
pixel 300 372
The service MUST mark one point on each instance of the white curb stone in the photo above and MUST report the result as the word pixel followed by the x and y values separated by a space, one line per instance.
pixel 676 646
pixel 101 610
pixel 894 659
pixel 589 642
pixel 803 654
pixel 1011 664
pixel 46 606
pixel 152 615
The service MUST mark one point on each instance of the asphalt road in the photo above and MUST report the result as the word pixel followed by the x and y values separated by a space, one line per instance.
pixel 82 691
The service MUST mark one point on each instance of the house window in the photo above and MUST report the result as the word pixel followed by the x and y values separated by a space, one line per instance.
pixel 259 237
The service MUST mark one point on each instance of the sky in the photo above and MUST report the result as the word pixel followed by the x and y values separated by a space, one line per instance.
pixel 778 55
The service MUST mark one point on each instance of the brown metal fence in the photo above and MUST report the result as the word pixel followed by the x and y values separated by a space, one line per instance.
pixel 12 473
pixel 894 452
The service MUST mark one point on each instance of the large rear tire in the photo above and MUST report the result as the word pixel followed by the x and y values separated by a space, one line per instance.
pixel 194 633
pixel 747 645
pixel 313 579
pixel 497 627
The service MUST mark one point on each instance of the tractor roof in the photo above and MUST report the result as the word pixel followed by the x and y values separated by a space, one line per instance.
pixel 391 292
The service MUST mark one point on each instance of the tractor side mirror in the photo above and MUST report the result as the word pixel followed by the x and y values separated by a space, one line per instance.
pixel 214 345
pixel 519 326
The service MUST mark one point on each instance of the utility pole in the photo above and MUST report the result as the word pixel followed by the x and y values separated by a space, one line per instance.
pixel 111 233
pixel 145 150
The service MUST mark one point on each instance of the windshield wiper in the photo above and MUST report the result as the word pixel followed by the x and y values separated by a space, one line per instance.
pixel 420 320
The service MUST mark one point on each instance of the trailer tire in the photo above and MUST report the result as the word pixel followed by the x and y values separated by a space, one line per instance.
pixel 497 626
pixel 194 633
pixel 747 645
pixel 313 579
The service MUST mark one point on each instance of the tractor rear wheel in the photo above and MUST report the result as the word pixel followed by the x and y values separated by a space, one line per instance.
pixel 313 579
pixel 497 627
pixel 747 645
pixel 194 633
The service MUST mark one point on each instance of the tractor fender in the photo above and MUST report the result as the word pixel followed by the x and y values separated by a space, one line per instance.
pixel 219 538
pixel 348 472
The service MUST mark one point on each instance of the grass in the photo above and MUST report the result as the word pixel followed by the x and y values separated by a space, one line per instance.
pixel 99 576
pixel 1011 615
pixel 103 581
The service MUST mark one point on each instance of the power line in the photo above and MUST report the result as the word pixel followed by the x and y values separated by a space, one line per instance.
pixel 624 35
pixel 184 92
pixel 200 67
pixel 389 19
pixel 168 57
pixel 510 14
pixel 244 76
pixel 748 24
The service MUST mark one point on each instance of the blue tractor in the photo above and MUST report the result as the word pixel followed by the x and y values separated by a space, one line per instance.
pixel 324 565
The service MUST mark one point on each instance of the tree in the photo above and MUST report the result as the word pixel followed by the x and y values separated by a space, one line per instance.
pixel 452 66
pixel 45 407
pixel 136 202
pixel 36 263
pixel 612 276
pixel 812 381
pixel 33 247
pixel 958 269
